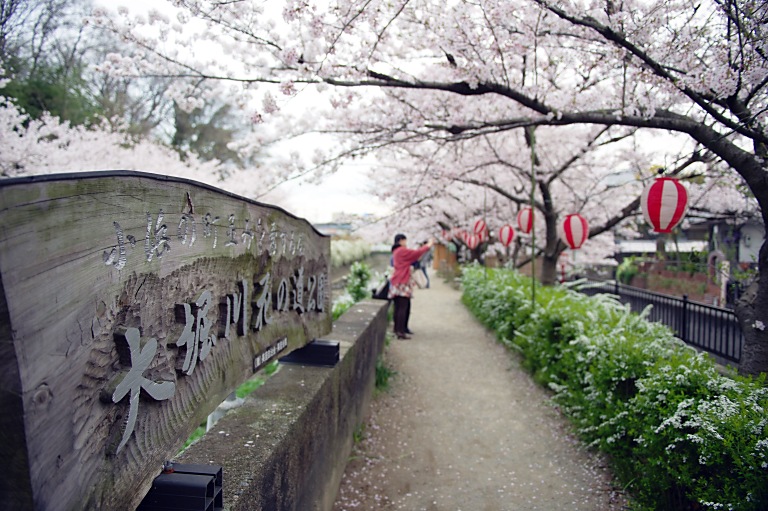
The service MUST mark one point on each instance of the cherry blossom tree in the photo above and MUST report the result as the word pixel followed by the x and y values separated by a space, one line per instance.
pixel 490 177
pixel 48 145
pixel 697 69
pixel 577 171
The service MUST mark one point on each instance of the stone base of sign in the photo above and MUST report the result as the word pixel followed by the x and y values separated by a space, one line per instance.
pixel 287 447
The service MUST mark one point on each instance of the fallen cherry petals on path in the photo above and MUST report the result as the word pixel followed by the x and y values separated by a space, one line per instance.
pixel 464 428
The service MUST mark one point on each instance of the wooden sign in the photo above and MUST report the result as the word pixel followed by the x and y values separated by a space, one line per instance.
pixel 132 304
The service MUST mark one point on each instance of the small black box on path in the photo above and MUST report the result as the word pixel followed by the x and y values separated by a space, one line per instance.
pixel 316 353
pixel 188 488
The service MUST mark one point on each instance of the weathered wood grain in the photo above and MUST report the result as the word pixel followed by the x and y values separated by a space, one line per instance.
pixel 114 286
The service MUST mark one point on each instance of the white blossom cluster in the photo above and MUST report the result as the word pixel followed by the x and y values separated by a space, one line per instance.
pixel 346 251
pixel 48 145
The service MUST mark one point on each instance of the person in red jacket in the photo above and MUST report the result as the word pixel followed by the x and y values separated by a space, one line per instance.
pixel 400 286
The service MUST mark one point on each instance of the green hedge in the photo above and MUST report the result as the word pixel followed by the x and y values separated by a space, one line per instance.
pixel 680 435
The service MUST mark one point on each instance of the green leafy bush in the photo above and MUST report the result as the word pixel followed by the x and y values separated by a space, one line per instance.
pixel 680 435
pixel 356 290
pixel 627 270
pixel 357 282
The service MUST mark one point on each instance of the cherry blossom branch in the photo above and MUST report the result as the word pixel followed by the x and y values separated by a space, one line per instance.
pixel 699 99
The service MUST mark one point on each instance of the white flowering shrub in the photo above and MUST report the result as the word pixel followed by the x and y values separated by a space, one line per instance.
pixel 356 290
pixel 358 281
pixel 681 435
pixel 341 304
pixel 348 251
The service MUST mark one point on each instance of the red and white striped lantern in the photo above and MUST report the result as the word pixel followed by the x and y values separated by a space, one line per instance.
pixel 574 231
pixel 664 203
pixel 447 234
pixel 480 226
pixel 525 220
pixel 473 241
pixel 506 235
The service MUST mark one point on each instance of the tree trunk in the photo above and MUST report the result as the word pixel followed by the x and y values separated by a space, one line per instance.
pixel 549 269
pixel 752 311
pixel 552 246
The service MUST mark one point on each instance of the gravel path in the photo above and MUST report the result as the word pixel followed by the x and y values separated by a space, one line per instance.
pixel 463 427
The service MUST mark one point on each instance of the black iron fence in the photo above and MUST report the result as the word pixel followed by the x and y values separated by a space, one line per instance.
pixel 712 329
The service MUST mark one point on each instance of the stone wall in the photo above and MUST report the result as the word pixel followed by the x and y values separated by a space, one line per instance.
pixel 287 447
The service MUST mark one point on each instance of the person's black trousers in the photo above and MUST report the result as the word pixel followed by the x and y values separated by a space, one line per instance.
pixel 402 313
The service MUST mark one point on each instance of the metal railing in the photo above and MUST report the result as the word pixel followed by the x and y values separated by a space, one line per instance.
pixel 709 328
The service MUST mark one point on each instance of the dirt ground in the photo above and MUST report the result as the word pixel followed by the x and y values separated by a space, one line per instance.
pixel 464 428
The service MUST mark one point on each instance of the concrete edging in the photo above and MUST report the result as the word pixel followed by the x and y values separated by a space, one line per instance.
pixel 287 447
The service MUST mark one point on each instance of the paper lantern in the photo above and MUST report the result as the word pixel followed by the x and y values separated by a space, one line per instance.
pixel 574 231
pixel 525 220
pixel 473 241
pixel 664 203
pixel 447 235
pixel 506 235
pixel 480 226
